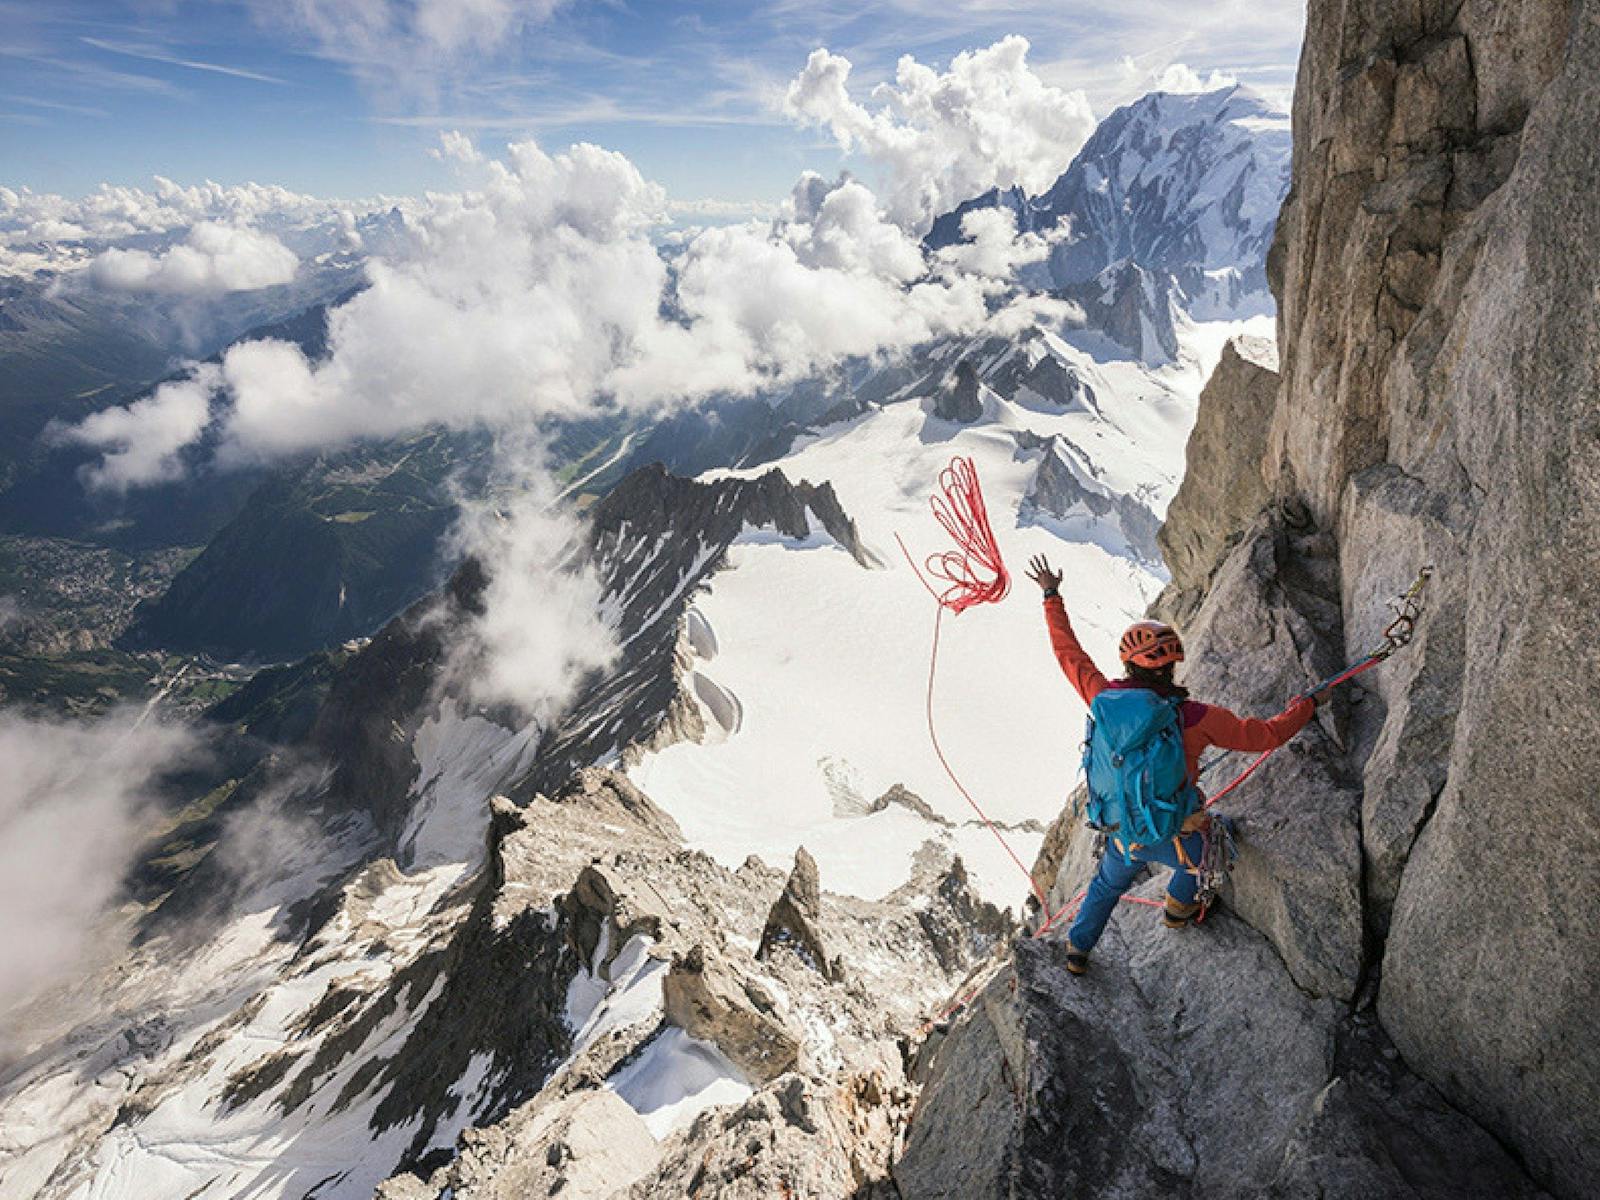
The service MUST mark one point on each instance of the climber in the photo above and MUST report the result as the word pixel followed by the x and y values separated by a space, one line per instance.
pixel 1142 755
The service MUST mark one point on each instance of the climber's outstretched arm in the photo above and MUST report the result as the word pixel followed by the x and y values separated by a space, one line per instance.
pixel 1219 727
pixel 1079 667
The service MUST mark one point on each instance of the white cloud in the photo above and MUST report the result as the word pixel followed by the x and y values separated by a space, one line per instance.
pixel 540 293
pixel 142 441
pixel 73 802
pixel 992 248
pixel 212 260
pixel 45 231
pixel 540 629
pixel 113 211
pixel 1181 78
pixel 506 304
pixel 457 146
pixel 989 121
pixel 839 227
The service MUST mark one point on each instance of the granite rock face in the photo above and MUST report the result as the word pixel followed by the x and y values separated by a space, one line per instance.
pixel 1224 481
pixel 1434 841
pixel 1436 267
pixel 1150 1077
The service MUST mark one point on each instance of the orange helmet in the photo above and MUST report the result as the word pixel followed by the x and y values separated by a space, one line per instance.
pixel 1150 644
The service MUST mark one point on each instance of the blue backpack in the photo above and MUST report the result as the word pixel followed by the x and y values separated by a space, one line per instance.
pixel 1133 760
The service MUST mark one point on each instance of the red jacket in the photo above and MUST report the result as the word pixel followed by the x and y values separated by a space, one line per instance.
pixel 1203 724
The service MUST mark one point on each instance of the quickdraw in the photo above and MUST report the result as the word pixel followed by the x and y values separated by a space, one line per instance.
pixel 1407 610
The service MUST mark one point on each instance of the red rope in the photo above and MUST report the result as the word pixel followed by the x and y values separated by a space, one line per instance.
pixel 975 574
pixel 974 570
pixel 1364 665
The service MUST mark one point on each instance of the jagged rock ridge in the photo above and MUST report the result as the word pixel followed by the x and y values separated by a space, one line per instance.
pixel 655 539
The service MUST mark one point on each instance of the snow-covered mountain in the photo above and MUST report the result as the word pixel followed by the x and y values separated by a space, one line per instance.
pixel 1183 185
pixel 340 1016
pixel 720 892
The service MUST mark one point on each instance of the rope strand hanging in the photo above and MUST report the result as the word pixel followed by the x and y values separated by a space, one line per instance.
pixel 974 573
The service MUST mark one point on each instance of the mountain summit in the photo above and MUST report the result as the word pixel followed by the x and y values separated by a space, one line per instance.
pixel 1184 184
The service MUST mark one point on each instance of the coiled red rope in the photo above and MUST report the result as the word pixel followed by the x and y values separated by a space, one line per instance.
pixel 974 573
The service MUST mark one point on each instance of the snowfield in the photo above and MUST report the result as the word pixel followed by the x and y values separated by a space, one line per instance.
pixel 811 672
pixel 827 663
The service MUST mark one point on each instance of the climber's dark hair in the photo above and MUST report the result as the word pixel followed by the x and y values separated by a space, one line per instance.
pixel 1157 679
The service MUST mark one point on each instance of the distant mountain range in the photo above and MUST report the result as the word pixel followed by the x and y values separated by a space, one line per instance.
pixel 1165 213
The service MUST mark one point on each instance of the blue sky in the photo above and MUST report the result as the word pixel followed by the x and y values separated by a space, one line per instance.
pixel 343 97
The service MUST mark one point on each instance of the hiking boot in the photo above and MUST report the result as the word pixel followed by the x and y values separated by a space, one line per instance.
pixel 1077 960
pixel 1175 915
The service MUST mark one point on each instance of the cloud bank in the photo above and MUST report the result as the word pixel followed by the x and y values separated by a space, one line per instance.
pixel 212 260
pixel 142 441
pixel 539 293
pixel 941 138
pixel 46 231
pixel 113 211
pixel 72 802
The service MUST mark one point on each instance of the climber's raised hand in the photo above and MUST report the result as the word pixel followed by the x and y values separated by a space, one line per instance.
pixel 1039 571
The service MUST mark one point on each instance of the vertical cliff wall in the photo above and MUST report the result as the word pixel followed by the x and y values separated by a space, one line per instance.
pixel 1419 870
pixel 1437 269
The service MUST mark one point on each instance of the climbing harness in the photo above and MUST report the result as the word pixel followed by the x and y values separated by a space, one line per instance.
pixel 1217 855
pixel 1407 609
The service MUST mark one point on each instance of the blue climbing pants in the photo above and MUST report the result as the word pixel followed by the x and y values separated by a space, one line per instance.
pixel 1118 871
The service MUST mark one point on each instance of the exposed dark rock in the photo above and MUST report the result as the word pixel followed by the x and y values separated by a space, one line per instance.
pixel 1065 487
pixel 903 797
pixel 793 921
pixel 960 397
pixel 962 929
pixel 1133 306
pixel 1224 479
pixel 376 703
